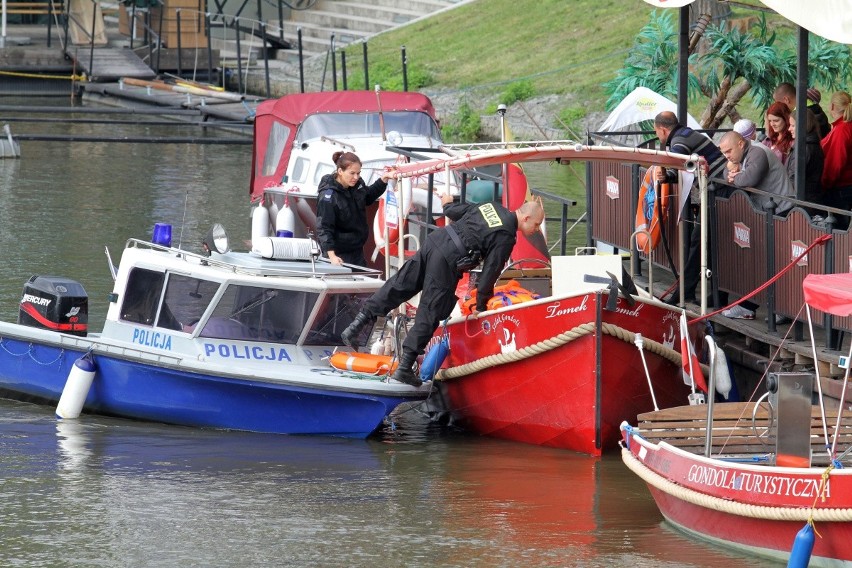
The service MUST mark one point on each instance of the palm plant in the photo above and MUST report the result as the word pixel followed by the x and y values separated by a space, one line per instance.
pixel 732 63
pixel 651 62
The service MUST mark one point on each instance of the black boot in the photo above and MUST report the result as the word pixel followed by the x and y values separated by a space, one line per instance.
pixel 349 336
pixel 405 372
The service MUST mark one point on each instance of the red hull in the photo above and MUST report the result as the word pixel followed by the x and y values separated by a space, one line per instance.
pixel 573 396
pixel 733 519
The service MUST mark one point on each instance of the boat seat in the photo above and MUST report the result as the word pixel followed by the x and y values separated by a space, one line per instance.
pixel 733 432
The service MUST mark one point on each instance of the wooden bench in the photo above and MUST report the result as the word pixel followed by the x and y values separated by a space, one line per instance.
pixel 734 432
pixel 35 8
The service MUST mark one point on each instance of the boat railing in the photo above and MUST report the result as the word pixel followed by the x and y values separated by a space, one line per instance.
pixel 357 271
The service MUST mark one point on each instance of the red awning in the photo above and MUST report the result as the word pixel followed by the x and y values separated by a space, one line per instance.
pixel 830 293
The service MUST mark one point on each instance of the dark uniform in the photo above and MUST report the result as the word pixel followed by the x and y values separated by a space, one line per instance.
pixel 342 219
pixel 486 230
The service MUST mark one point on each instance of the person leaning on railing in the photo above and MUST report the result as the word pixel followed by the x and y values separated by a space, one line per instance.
pixel 837 147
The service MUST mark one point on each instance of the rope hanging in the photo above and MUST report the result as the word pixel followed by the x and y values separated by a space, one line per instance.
pixel 725 506
pixel 556 341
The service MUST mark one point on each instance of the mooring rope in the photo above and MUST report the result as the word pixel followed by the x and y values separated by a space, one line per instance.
pixel 552 343
pixel 723 505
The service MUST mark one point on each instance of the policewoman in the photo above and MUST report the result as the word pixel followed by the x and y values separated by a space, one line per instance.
pixel 342 202
pixel 485 232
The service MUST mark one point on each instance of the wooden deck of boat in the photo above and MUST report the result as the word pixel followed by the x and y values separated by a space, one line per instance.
pixel 734 433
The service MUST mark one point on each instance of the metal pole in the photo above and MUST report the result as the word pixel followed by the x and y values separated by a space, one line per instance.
pixel 333 66
pixel 801 111
pixel 236 23
pixel 179 50
pixel 92 40
pixel 209 48
pixel 404 70
pixel 504 168
pixel 301 62
pixel 683 65
pixel 3 27
pixel 266 61
pixel 366 68
pixel 343 68
pixel 160 34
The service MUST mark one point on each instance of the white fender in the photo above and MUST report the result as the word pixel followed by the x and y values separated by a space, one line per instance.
pixel 77 387
pixel 273 215
pixel 286 219
pixel 407 196
pixel 723 375
pixel 259 223
pixel 306 215
pixel 378 233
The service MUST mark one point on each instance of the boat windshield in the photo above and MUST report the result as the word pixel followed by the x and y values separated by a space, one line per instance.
pixel 185 301
pixel 335 315
pixel 254 313
pixel 351 125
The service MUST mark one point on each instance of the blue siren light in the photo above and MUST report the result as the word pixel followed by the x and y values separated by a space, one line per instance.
pixel 162 234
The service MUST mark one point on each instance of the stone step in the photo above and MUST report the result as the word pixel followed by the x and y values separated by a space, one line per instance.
pixel 424 7
pixel 341 21
pixel 317 33
pixel 390 14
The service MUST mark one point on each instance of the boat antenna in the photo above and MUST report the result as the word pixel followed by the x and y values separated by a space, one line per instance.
pixel 183 221
pixel 381 114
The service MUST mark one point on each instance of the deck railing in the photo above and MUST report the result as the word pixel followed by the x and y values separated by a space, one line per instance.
pixel 752 245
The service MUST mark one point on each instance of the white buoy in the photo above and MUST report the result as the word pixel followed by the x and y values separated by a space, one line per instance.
pixel 77 387
pixel 285 222
pixel 259 223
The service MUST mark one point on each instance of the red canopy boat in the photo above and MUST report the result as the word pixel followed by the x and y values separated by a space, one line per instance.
pixel 565 369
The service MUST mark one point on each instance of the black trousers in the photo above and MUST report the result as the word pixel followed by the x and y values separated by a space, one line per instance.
pixel 355 257
pixel 429 272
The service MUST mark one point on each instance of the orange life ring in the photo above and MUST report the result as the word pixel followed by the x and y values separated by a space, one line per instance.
pixel 363 363
pixel 648 211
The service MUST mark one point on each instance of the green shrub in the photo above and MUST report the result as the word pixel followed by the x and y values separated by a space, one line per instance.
pixel 569 117
pixel 517 91
pixel 463 127
pixel 389 77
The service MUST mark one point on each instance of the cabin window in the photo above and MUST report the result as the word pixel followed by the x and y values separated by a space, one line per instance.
pixel 254 313
pixel 185 302
pixel 275 145
pixel 142 296
pixel 367 125
pixel 322 169
pixel 300 170
pixel 335 315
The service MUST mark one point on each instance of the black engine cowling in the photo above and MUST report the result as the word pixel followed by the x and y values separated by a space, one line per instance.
pixel 55 303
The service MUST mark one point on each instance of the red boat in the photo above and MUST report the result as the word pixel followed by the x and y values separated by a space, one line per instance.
pixel 770 479
pixel 563 370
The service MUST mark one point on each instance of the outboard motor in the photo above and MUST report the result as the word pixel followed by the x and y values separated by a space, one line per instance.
pixel 55 303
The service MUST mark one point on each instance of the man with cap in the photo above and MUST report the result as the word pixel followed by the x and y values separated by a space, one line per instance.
pixel 683 140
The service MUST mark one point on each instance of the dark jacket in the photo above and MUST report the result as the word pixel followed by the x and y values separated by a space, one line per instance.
pixel 684 140
pixel 488 228
pixel 341 213
pixel 814 160
pixel 823 124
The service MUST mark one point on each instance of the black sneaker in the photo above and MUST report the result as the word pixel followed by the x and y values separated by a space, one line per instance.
pixel 406 376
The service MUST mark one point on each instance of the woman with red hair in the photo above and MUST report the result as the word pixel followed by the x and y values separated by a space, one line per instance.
pixel 778 137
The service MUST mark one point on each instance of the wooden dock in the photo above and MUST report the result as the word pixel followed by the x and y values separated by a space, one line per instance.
pixel 109 64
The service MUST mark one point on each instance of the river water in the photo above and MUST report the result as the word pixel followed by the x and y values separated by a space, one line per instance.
pixel 108 492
